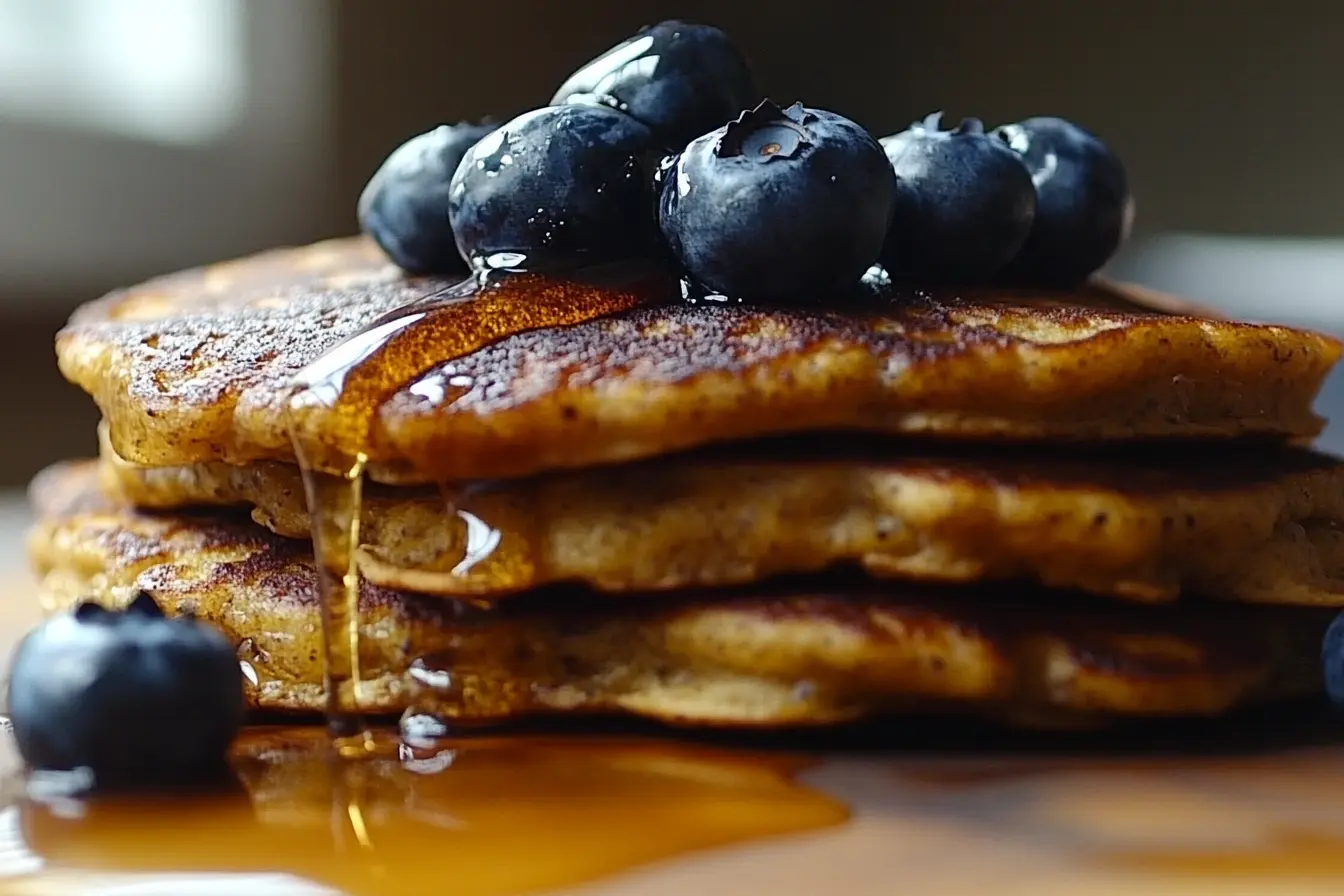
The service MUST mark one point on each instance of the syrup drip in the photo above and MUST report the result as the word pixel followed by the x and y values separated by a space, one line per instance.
pixel 341 501
pixel 334 406
pixel 475 818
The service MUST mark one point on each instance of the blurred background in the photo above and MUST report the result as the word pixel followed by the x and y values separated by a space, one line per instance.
pixel 138 136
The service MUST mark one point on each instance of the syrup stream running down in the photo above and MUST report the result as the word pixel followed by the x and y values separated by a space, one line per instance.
pixel 341 500
pixel 333 412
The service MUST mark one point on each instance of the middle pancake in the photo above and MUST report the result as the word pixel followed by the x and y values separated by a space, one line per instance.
pixel 1144 525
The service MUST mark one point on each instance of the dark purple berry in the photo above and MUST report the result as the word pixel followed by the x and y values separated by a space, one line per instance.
pixel 680 79
pixel 565 182
pixel 404 208
pixel 964 204
pixel 782 204
pixel 132 696
pixel 1083 205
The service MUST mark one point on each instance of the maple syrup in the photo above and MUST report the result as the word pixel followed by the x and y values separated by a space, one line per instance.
pixel 482 817
pixel 333 414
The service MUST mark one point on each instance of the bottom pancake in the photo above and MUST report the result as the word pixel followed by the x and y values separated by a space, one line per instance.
pixel 771 655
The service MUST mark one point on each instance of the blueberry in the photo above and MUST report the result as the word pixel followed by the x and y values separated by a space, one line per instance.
pixel 563 181
pixel 1332 660
pixel 133 696
pixel 964 203
pixel 1083 206
pixel 681 80
pixel 404 207
pixel 778 204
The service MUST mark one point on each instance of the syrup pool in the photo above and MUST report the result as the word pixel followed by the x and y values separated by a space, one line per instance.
pixel 478 817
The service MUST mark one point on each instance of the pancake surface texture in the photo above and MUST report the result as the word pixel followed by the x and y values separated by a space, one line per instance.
pixel 768 655
pixel 197 367
pixel 1267 527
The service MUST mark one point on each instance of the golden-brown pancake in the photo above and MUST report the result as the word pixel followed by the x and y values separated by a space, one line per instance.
pixel 197 367
pixel 784 654
pixel 1145 525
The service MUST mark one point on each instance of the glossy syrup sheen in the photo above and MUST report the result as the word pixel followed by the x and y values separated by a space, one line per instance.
pixel 1205 807
pixel 471 818
pixel 335 402
pixel 337 396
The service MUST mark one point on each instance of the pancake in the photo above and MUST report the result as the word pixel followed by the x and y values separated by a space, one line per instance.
pixel 198 367
pixel 771 655
pixel 1265 527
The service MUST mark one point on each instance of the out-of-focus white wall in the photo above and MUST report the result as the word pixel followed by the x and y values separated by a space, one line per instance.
pixel 139 134
pixel 1273 279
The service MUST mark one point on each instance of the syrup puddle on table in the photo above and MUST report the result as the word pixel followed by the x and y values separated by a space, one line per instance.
pixel 475 817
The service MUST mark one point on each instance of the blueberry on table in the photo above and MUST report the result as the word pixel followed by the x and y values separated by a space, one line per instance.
pixel 780 204
pixel 680 79
pixel 1332 660
pixel 964 203
pixel 404 207
pixel 1083 206
pixel 135 697
pixel 563 182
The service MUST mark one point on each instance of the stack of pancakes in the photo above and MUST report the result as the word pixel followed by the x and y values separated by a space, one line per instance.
pixel 1047 508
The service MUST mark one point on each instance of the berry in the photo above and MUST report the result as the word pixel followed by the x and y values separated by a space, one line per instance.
pixel 964 203
pixel 133 696
pixel 681 80
pixel 564 181
pixel 779 204
pixel 1083 206
pixel 1332 660
pixel 404 207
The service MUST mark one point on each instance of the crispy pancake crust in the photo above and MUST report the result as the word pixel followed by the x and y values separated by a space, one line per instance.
pixel 196 367
pixel 1265 527
pixel 772 655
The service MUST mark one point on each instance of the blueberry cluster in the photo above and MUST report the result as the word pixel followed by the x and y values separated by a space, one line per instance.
pixel 664 147
pixel 132 697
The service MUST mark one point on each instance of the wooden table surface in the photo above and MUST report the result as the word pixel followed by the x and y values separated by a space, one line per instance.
pixel 1144 818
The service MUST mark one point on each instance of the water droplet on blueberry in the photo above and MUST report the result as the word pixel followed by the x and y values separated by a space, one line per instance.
pixel 679 79
pixel 563 182
pixel 133 696
pixel 778 204
pixel 404 207
pixel 876 282
pixel 964 203
pixel 1083 205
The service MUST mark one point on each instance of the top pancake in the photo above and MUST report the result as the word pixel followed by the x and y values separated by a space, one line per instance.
pixel 197 367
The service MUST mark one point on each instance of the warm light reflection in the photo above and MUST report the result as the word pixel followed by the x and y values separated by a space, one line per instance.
pixel 160 70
